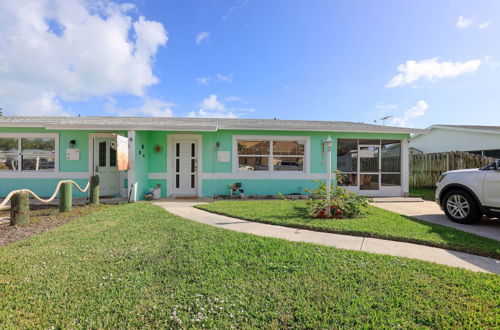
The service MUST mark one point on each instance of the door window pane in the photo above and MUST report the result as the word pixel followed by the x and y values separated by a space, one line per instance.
pixel 347 155
pixel 391 156
pixel 294 148
pixel 253 147
pixel 253 163
pixel 112 157
pixel 369 158
pixel 391 179
pixel 368 182
pixel 102 153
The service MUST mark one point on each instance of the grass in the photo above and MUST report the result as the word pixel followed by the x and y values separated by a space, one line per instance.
pixel 137 266
pixel 425 193
pixel 375 222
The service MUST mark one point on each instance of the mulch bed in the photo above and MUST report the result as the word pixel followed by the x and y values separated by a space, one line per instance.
pixel 42 218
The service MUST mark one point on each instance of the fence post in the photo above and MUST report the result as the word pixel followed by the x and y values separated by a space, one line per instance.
pixel 66 196
pixel 94 190
pixel 19 209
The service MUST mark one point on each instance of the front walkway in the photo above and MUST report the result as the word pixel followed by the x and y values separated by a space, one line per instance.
pixel 185 209
pixel 431 212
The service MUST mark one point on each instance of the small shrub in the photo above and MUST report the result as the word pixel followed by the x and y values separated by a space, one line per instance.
pixel 343 204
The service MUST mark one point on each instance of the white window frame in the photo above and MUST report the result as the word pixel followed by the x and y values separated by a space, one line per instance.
pixel 19 136
pixel 271 138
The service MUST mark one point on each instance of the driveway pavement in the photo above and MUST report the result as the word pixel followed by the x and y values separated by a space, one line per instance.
pixel 475 263
pixel 431 212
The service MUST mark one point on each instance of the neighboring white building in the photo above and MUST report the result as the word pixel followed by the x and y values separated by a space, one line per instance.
pixel 482 140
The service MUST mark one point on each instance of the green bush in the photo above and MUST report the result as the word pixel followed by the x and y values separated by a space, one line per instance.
pixel 343 204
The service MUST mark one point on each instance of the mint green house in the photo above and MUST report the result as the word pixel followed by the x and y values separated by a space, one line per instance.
pixel 200 156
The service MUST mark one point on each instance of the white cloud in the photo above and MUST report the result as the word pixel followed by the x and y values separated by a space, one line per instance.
pixel 463 22
pixel 416 111
pixel 233 99
pixel 150 107
pixel 67 50
pixel 484 25
pixel 212 107
pixel 384 106
pixel 203 80
pixel 219 77
pixel 225 78
pixel 202 36
pixel 431 70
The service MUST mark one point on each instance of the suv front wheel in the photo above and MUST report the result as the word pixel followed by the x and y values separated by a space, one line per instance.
pixel 460 207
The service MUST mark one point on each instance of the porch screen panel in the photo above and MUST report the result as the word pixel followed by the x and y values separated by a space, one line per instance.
pixel 391 162
pixel 347 161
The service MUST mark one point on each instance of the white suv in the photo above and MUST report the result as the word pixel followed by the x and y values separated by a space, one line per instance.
pixel 466 195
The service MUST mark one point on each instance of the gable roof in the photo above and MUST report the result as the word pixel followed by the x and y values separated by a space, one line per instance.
pixel 194 124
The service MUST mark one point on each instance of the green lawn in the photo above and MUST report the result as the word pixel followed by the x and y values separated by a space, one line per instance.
pixel 375 223
pixel 425 193
pixel 137 266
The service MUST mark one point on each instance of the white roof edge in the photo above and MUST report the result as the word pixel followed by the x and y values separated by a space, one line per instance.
pixel 455 128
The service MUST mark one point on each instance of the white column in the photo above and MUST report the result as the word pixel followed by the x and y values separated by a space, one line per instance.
pixel 405 168
pixel 132 184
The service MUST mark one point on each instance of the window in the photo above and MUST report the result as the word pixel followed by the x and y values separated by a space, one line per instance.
pixel 28 153
pixel 273 154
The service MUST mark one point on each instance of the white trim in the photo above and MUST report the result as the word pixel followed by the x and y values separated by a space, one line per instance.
pixel 42 175
pixel 264 175
pixel 270 173
pixel 173 138
pixel 27 173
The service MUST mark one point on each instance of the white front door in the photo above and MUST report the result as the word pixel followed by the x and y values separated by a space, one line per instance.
pixel 185 167
pixel 105 165
pixel 491 188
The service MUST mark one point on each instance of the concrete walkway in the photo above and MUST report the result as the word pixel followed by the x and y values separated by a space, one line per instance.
pixel 185 209
pixel 431 212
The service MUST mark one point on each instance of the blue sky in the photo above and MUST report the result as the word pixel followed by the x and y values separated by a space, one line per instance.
pixel 318 60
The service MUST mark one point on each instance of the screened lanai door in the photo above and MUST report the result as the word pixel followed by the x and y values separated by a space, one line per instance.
pixel 370 167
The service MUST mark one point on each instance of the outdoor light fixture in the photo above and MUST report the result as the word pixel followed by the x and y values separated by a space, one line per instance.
pixel 72 143
pixel 217 144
